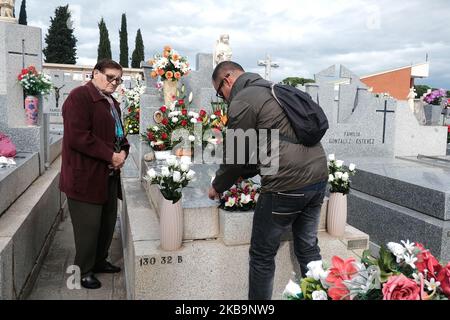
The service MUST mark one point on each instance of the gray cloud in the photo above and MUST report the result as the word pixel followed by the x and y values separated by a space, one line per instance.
pixel 303 36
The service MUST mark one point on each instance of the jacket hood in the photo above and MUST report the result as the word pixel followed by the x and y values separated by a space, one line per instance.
pixel 246 79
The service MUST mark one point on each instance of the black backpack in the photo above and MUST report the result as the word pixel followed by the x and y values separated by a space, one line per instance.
pixel 306 117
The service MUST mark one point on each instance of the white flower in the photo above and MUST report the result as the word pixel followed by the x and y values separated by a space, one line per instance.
pixel 193 120
pixel 174 119
pixel 319 295
pixel 245 198
pixel 331 157
pixel 330 178
pixel 292 289
pixel 432 285
pixel 191 96
pixel 352 167
pixel 184 167
pixel 152 143
pixel 165 172
pixel 345 177
pixel 338 175
pixel 155 128
pixel 315 270
pixel 176 176
pixel 398 250
pixel 159 142
pixel 231 202
pixel 409 245
pixel 172 161
pixel 213 117
pixel 410 259
pixel 339 163
pixel 192 138
pixel 190 175
pixel 151 173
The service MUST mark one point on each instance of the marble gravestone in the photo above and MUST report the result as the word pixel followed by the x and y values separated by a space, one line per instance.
pixel 20 47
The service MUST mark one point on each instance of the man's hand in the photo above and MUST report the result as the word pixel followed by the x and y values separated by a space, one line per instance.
pixel 212 193
pixel 118 160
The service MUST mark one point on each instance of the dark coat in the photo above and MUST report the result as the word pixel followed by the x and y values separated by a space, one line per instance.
pixel 88 145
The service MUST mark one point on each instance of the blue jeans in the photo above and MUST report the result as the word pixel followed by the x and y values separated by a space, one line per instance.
pixel 275 213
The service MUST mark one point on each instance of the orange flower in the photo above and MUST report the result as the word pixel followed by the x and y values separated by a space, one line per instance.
pixel 151 62
pixel 153 74
pixel 167 48
pixel 175 57
pixel 177 75
pixel 169 75
pixel 160 72
pixel 166 54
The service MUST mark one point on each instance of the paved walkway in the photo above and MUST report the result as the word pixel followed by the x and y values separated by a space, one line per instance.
pixel 52 279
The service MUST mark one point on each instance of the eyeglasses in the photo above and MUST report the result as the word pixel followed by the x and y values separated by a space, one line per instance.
pixel 111 78
pixel 219 88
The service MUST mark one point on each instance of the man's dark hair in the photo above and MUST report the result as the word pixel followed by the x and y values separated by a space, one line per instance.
pixel 106 64
pixel 226 67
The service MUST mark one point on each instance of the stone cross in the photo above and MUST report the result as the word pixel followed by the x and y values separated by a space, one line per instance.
pixel 23 53
pixel 268 64
pixel 385 111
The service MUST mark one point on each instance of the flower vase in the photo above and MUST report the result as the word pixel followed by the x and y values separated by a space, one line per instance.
pixel 170 91
pixel 171 225
pixel 31 110
pixel 162 155
pixel 337 214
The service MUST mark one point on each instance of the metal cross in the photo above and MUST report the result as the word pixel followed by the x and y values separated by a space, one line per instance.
pixel 385 111
pixel 23 54
pixel 269 65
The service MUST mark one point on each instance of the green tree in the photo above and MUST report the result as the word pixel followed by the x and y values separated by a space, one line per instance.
pixel 295 81
pixel 421 90
pixel 23 13
pixel 60 40
pixel 104 45
pixel 138 54
pixel 123 33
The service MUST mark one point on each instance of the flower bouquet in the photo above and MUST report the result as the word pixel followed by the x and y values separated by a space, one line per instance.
pixel 240 197
pixel 169 65
pixel 403 271
pixel 435 97
pixel 133 103
pixel 339 176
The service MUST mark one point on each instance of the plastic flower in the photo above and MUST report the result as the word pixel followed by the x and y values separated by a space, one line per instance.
pixel 410 246
pixel 330 178
pixel 292 289
pixel 231 202
pixel 352 167
pixel 176 176
pixel 319 295
pixel 400 288
pixel 151 173
pixel 190 175
pixel 398 250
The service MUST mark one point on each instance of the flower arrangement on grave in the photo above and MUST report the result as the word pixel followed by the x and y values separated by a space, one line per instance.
pixel 170 66
pixel 435 97
pixel 34 84
pixel 240 197
pixel 133 105
pixel 172 178
pixel 403 271
pixel 339 176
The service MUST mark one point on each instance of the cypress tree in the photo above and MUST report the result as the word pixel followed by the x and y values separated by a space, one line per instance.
pixel 23 13
pixel 123 33
pixel 104 45
pixel 60 40
pixel 138 53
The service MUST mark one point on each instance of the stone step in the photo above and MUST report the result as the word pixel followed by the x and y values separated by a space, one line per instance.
pixel 385 222
pixel 417 186
pixel 201 269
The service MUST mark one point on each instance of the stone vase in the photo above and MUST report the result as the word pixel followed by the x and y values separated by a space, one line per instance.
pixel 170 90
pixel 31 110
pixel 171 225
pixel 337 214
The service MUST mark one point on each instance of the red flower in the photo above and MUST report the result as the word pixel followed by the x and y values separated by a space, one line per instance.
pixel 24 71
pixel 32 69
pixel 444 278
pixel 202 113
pixel 164 136
pixel 150 136
pixel 199 119
pixel 165 121
pixel 163 109
pixel 184 112
pixel 425 260
pixel 400 288
pixel 340 271
pixel 181 101
pixel 129 110
pixel 218 113
pixel 184 123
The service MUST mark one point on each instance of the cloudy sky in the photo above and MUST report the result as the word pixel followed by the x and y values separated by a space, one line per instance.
pixel 304 37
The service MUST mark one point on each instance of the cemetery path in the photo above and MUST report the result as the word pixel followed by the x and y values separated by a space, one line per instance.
pixel 51 283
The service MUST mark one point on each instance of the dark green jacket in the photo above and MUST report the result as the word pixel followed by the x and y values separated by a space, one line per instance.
pixel 253 107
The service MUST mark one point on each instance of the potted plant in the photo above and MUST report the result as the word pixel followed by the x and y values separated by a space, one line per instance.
pixel 339 180
pixel 171 180
pixel 433 107
pixel 34 84
pixel 170 67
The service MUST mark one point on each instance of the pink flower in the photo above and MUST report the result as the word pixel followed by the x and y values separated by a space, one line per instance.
pixel 444 278
pixel 400 288
pixel 341 270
